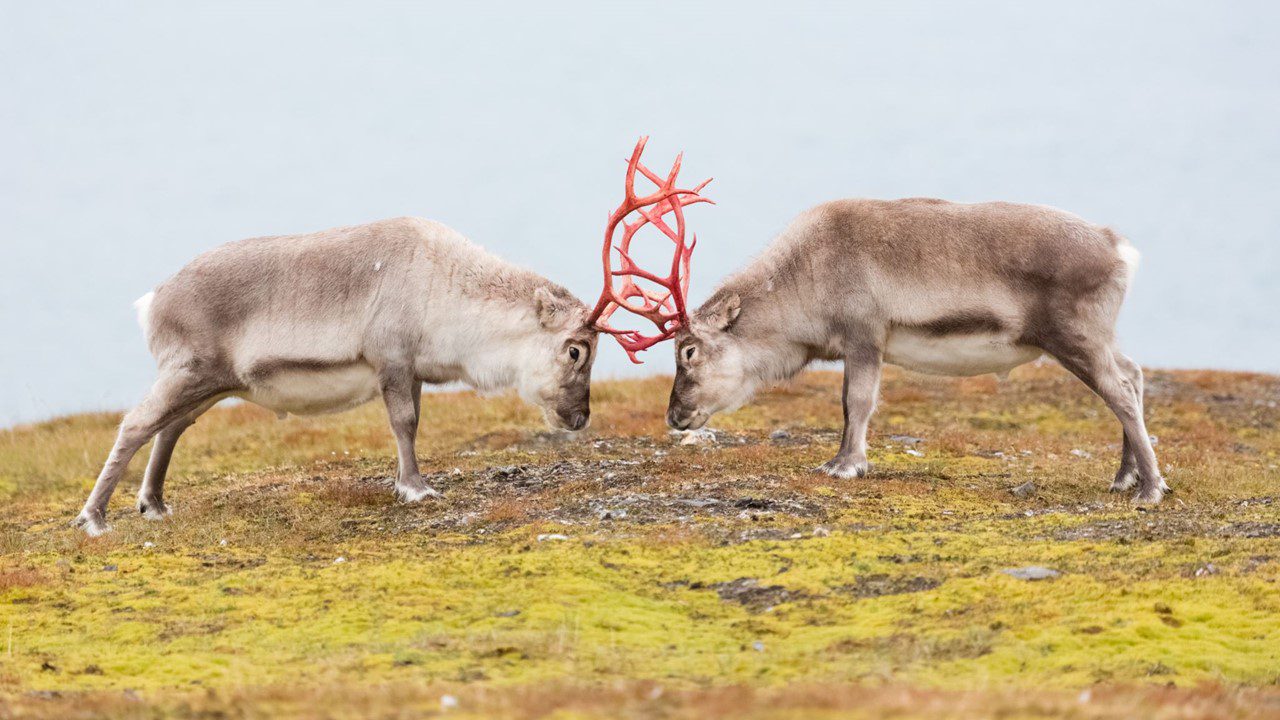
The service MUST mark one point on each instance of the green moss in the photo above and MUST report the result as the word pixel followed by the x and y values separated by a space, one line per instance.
pixel 514 611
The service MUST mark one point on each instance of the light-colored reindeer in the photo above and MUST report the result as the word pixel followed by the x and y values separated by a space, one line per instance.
pixel 933 286
pixel 325 322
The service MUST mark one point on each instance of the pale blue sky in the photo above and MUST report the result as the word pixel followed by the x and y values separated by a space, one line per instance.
pixel 135 135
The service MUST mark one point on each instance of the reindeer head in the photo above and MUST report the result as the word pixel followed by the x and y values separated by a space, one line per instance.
pixel 711 365
pixel 556 362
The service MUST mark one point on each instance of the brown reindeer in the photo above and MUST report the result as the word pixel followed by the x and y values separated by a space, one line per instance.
pixel 324 322
pixel 929 285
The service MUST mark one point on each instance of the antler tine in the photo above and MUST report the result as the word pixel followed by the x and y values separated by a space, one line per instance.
pixel 666 310
pixel 632 164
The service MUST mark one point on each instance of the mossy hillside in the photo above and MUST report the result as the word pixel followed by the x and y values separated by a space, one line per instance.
pixel 599 608
pixel 693 567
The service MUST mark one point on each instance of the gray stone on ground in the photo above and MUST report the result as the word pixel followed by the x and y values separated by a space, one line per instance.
pixel 701 436
pixel 1031 572
pixel 1025 490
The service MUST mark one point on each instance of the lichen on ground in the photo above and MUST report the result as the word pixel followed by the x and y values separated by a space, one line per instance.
pixel 709 578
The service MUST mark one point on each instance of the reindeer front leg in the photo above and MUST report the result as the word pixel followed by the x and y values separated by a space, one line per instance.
pixel 861 386
pixel 403 397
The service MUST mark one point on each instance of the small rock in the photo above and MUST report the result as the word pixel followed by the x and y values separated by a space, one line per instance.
pixel 906 439
pixel 914 453
pixel 615 514
pixel 777 435
pixel 547 537
pixel 1025 490
pixel 508 613
pixel 110 568
pixel 1080 453
pixel 1206 569
pixel 757 646
pixel 1031 572
pixel 701 436
pixel 448 702
pixel 148 544
pixel 339 560
pixel 223 542
pixel 1085 696
pixel 821 532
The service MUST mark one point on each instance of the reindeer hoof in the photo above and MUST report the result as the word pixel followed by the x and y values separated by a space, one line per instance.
pixel 153 508
pixel 844 468
pixel 1125 481
pixel 93 524
pixel 412 491
pixel 1151 495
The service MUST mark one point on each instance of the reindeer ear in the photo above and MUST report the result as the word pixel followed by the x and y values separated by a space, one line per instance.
pixel 724 311
pixel 552 311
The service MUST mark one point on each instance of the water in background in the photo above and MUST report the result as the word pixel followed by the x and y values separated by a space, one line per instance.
pixel 134 138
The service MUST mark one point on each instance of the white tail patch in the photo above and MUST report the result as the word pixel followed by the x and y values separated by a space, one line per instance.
pixel 1130 256
pixel 143 306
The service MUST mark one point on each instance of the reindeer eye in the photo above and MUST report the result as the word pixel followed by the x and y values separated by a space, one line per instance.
pixel 574 353
pixel 690 351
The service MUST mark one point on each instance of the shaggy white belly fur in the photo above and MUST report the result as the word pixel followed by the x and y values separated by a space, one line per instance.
pixel 312 392
pixel 975 354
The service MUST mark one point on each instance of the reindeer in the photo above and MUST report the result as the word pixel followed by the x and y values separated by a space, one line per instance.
pixel 929 285
pixel 324 322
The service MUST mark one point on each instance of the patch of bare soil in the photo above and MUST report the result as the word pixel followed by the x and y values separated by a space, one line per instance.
pixel 747 592
pixel 880 584
pixel 573 491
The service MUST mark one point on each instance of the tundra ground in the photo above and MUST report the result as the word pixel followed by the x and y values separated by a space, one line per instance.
pixel 624 573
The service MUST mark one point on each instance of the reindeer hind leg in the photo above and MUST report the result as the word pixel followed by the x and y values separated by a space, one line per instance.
pixel 175 394
pixel 1127 476
pixel 1112 379
pixel 151 493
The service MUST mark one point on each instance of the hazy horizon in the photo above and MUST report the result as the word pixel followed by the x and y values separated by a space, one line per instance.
pixel 138 135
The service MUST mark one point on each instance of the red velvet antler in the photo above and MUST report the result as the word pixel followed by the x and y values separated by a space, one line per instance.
pixel 666 309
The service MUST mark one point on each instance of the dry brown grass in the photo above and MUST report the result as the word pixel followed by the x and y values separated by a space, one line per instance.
pixel 650 699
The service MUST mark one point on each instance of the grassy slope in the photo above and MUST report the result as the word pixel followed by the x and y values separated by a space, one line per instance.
pixel 693 580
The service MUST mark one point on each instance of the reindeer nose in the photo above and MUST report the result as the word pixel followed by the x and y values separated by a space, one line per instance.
pixel 578 420
pixel 675 420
